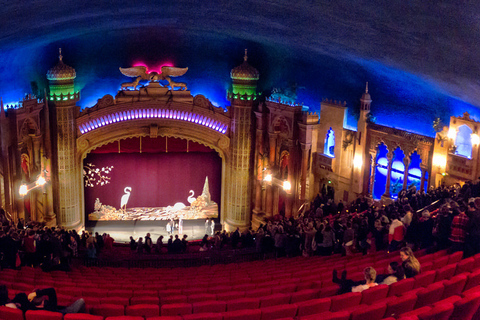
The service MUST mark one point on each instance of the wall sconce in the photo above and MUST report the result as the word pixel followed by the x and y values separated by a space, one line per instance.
pixel 24 189
pixel 475 139
pixel 268 178
pixel 287 186
pixel 452 133
pixel 357 161
pixel 440 161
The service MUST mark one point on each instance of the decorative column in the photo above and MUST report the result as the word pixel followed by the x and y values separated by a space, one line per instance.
pixel 406 162
pixel 389 173
pixel 259 152
pixel 63 97
pixel 422 180
pixel 372 172
pixel 303 170
pixel 239 193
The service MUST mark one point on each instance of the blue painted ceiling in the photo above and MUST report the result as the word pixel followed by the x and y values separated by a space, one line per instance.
pixel 420 57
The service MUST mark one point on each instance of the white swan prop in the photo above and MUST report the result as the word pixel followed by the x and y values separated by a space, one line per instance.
pixel 125 197
pixel 191 199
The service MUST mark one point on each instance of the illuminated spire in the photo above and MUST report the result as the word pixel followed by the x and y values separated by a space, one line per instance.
pixel 246 56
pixel 60 57
pixel 366 88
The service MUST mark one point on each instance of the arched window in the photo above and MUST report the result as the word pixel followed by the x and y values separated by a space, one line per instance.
pixel 464 141
pixel 329 148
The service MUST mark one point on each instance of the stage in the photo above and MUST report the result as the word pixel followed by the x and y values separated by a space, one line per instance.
pixel 122 230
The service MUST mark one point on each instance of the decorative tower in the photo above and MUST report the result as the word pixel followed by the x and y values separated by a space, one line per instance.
pixel 63 98
pixel 361 156
pixel 242 99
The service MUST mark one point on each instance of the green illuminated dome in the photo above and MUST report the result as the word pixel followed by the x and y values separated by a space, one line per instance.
pixel 244 71
pixel 61 71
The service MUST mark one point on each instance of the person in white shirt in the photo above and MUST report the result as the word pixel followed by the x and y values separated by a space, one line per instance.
pixel 370 276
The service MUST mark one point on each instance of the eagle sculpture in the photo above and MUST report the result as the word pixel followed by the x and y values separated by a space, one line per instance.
pixel 140 73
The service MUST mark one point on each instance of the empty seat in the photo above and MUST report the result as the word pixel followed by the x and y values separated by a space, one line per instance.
pixel 445 272
pixel 438 312
pixel 243 303
pixel 429 295
pixel 314 306
pixel 261 292
pixel 400 287
pixel 414 313
pixel 329 291
pixel 120 293
pixel 400 305
pixel 43 315
pixel 251 314
pixel 81 316
pixel 286 288
pixel 374 294
pixel 201 297
pixel 108 310
pixel 274 299
pixel 466 308
pixel 173 299
pixel 473 280
pixel 232 295
pixel 176 309
pixel 279 311
pixel 143 310
pixel 144 300
pixel 115 300
pixel 454 286
pixel 304 295
pixel 466 265
pixel 455 257
pixel 371 312
pixel 94 293
pixel 10 313
pixel 125 318
pixel 424 279
pixel 339 315
pixel 209 306
pixel 345 300
pixel 203 316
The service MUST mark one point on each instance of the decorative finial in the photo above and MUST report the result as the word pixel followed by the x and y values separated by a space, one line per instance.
pixel 60 57
pixel 245 57
pixel 366 88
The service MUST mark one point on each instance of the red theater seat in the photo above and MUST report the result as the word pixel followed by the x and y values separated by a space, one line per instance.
pixel 455 257
pixel 454 286
pixel 400 305
pixel 232 295
pixel 466 308
pixel 424 279
pixel 125 318
pixel 286 288
pixel 414 313
pixel 372 312
pixel 466 265
pixel 243 303
pixel 120 293
pixel 43 315
pixel 176 309
pixel 203 316
pixel 473 280
pixel 400 287
pixel 340 315
pixel 429 295
pixel 94 293
pixel 143 310
pixel 374 294
pixel 438 312
pixel 81 316
pixel 251 314
pixel 304 295
pixel 108 310
pixel 174 299
pixel 209 306
pixel 314 306
pixel 274 299
pixel 165 318
pixel 7 313
pixel 144 300
pixel 201 297
pixel 446 272
pixel 115 300
pixel 345 300
pixel 280 311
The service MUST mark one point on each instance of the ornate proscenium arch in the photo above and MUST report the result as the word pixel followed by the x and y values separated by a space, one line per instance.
pixel 180 115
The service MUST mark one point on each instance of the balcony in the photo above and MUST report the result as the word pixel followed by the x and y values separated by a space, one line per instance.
pixel 460 166
pixel 323 161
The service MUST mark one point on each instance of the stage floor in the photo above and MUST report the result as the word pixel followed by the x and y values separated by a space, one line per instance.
pixel 122 230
